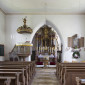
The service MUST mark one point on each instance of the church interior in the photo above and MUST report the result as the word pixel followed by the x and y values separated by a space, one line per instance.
pixel 42 42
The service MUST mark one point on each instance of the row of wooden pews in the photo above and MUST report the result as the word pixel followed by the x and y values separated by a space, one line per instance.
pixel 67 73
pixel 16 73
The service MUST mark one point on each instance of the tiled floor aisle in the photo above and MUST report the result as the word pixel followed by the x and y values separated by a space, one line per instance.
pixel 45 76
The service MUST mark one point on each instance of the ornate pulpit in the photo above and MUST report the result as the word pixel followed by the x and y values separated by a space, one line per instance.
pixel 24 50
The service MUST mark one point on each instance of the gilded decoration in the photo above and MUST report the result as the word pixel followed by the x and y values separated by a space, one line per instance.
pixel 45 40
pixel 24 28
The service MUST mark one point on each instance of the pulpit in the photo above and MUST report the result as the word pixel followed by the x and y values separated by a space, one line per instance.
pixel 24 50
pixel 22 56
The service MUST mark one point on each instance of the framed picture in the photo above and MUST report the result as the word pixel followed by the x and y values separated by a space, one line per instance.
pixel 75 42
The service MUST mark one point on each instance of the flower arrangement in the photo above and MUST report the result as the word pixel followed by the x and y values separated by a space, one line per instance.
pixel 76 52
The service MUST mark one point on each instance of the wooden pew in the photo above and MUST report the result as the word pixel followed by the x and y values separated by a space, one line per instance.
pixel 80 81
pixel 7 80
pixel 29 66
pixel 71 74
pixel 11 74
pixel 57 68
pixel 61 65
pixel 19 68
pixel 69 68
pixel 16 71
pixel 66 66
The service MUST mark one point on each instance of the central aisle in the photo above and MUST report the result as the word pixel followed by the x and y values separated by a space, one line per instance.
pixel 45 76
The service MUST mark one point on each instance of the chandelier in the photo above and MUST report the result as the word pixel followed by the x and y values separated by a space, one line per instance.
pixel 24 28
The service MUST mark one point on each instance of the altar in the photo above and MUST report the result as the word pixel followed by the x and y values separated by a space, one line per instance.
pixel 46 59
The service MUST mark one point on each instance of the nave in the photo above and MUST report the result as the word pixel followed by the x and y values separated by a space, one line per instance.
pixel 45 76
pixel 26 73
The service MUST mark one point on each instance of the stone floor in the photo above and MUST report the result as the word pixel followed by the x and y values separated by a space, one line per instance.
pixel 45 76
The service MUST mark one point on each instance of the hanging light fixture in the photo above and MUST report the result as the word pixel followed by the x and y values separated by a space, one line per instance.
pixel 24 28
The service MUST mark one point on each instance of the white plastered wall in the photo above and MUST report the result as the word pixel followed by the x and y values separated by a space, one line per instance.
pixel 2 31
pixel 65 26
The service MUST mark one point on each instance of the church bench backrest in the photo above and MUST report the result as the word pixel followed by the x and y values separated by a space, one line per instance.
pixel 19 68
pixel 80 81
pixel 12 74
pixel 23 77
pixel 29 71
pixel 72 64
pixel 69 68
pixel 29 66
pixel 7 80
pixel 61 65
pixel 15 62
pixel 71 74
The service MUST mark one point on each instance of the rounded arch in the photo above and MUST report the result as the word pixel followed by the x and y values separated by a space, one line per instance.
pixel 47 22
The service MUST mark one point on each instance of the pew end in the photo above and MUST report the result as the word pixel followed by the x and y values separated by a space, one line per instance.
pixel 80 81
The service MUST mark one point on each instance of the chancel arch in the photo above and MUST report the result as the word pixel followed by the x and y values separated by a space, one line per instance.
pixel 46 45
